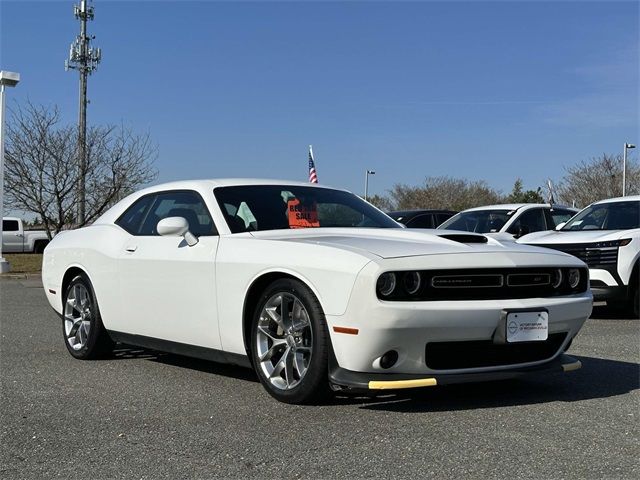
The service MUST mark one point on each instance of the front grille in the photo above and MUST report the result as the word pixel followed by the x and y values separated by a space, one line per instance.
pixel 486 284
pixel 467 281
pixel 589 253
pixel 484 353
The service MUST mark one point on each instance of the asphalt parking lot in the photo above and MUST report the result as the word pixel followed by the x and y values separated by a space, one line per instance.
pixel 148 415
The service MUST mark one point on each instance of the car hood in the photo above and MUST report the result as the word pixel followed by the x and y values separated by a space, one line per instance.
pixel 396 243
pixel 588 236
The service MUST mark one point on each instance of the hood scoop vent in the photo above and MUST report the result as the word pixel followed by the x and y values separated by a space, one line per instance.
pixel 465 238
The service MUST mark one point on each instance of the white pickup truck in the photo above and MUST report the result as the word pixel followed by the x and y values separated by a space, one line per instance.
pixel 15 239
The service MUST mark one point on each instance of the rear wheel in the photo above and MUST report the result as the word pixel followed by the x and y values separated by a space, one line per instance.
pixel 84 334
pixel 39 246
pixel 289 343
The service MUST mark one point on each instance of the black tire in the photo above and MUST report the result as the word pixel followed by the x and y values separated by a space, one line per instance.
pixel 97 343
pixel 635 301
pixel 39 247
pixel 313 386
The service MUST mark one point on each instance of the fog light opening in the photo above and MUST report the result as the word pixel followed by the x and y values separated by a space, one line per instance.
pixel 389 359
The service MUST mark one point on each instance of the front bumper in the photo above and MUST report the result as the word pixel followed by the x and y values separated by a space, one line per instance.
pixel 608 294
pixel 408 328
pixel 342 379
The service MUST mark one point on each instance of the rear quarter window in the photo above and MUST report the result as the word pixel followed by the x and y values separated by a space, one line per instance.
pixel 133 216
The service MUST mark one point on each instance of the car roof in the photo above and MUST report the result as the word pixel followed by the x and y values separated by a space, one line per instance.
pixel 517 206
pixel 419 211
pixel 632 198
pixel 227 182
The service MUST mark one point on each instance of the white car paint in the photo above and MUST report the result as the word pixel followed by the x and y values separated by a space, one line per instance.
pixel 515 211
pixel 162 288
pixel 628 255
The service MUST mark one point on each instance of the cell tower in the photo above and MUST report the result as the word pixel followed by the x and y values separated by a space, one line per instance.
pixel 85 59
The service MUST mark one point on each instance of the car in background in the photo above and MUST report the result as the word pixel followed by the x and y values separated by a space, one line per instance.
pixel 312 287
pixel 606 236
pixel 15 239
pixel 421 218
pixel 510 221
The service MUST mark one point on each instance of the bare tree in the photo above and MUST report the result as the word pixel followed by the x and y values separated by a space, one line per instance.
pixel 597 179
pixel 380 201
pixel 41 169
pixel 444 192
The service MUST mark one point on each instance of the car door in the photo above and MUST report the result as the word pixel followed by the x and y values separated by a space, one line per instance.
pixel 167 287
pixel 12 237
pixel 529 221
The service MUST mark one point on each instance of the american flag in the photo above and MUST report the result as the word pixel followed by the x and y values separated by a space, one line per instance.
pixel 313 177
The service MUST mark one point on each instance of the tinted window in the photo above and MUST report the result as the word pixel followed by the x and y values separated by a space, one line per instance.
pixel 273 207
pixel 607 216
pixel 10 226
pixel 188 205
pixel 532 220
pixel 131 219
pixel 442 217
pixel 478 221
pixel 559 215
pixel 421 221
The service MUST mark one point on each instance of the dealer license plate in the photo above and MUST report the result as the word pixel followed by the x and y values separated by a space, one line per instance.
pixel 527 326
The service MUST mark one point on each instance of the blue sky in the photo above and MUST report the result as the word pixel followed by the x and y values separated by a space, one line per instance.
pixel 481 90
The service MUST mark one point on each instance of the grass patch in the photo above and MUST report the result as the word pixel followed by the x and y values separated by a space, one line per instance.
pixel 24 262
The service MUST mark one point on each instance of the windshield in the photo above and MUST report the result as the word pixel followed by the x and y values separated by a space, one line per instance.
pixel 478 221
pixel 272 207
pixel 606 216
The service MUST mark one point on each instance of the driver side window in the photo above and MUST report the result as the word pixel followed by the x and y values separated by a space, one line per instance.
pixel 532 220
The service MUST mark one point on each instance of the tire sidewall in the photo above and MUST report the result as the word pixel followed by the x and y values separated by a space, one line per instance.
pixel 89 348
pixel 314 384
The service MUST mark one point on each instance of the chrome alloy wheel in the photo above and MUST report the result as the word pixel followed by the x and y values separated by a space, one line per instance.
pixel 284 340
pixel 77 316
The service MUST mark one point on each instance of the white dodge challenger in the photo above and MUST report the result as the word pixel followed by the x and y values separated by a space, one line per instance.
pixel 314 288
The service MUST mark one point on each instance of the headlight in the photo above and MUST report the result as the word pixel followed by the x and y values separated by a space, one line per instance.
pixel 556 278
pixel 412 281
pixel 386 284
pixel 574 277
pixel 611 243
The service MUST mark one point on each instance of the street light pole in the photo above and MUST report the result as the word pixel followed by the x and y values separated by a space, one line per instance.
pixel 7 79
pixel 366 182
pixel 627 146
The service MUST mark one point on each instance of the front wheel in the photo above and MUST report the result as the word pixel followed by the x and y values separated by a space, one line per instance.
pixel 290 343
pixel 635 301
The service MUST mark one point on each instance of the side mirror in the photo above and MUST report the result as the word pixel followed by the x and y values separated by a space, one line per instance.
pixel 560 225
pixel 176 227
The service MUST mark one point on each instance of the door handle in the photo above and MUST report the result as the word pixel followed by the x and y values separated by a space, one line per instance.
pixel 131 248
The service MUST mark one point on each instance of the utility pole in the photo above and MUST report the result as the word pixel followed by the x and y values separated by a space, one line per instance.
pixel 85 59
pixel 7 79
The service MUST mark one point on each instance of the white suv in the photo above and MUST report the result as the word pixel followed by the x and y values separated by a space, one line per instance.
pixel 606 236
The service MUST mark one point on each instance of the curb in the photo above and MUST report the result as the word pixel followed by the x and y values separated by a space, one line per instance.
pixel 20 276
